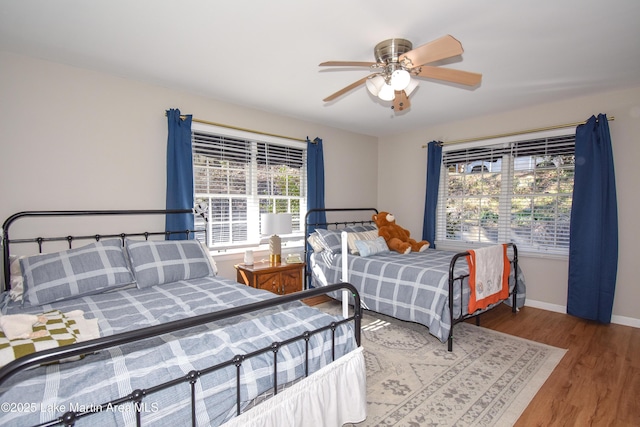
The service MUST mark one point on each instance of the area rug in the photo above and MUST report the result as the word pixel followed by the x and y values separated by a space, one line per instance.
pixel 412 380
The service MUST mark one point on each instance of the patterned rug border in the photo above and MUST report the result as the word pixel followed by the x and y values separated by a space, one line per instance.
pixel 509 394
pixel 526 395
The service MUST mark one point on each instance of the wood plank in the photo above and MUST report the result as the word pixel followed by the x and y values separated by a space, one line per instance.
pixel 316 300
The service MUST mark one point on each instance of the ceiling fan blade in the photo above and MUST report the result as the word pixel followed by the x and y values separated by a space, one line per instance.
pixel 401 101
pixel 442 48
pixel 347 64
pixel 346 89
pixel 450 75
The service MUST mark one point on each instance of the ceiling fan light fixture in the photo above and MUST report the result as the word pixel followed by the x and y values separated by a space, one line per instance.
pixel 413 84
pixel 386 93
pixel 400 79
pixel 374 84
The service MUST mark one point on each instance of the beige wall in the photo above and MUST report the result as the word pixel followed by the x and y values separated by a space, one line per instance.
pixel 77 139
pixel 403 165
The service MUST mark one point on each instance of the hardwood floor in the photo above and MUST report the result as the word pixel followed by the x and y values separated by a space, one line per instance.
pixel 316 300
pixel 597 383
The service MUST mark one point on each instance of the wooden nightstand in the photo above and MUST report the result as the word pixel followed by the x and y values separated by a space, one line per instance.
pixel 280 279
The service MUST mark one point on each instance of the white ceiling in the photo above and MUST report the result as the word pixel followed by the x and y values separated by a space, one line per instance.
pixel 265 54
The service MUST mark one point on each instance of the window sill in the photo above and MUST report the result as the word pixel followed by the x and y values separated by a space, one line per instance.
pixel 260 252
pixel 465 246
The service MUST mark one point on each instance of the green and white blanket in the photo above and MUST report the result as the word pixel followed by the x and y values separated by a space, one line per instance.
pixel 25 334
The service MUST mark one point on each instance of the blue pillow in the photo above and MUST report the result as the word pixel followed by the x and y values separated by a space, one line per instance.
pixel 90 269
pixel 331 240
pixel 155 262
pixel 370 247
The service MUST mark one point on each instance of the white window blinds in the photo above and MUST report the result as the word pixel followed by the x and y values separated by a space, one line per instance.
pixel 238 178
pixel 517 191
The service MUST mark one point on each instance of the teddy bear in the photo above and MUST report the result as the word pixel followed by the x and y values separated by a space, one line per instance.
pixel 398 239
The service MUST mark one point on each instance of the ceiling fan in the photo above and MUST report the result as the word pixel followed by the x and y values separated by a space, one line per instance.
pixel 397 61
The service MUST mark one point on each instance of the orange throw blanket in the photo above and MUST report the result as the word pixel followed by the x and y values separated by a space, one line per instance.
pixel 488 276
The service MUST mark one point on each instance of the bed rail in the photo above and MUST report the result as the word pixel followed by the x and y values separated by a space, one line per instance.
pixel 137 396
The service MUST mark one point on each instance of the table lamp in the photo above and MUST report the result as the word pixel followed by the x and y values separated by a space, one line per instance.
pixel 274 224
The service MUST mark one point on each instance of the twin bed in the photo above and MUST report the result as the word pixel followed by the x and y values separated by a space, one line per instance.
pixel 140 331
pixel 430 287
pixel 173 344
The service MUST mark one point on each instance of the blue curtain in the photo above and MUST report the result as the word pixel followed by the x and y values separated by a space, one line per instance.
pixel 434 161
pixel 179 174
pixel 315 180
pixel 315 190
pixel 593 247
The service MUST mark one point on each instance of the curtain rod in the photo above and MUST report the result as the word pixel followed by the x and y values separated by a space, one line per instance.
pixel 239 128
pixel 522 132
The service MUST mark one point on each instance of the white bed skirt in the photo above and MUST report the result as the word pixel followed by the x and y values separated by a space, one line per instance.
pixel 333 396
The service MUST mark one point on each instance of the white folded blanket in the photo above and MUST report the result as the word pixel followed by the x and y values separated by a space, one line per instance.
pixel 488 276
pixel 20 326
pixel 88 328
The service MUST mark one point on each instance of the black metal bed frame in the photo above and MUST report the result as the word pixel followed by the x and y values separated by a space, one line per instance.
pixel 136 397
pixel 309 226
pixel 7 241
pixel 460 279
pixel 452 277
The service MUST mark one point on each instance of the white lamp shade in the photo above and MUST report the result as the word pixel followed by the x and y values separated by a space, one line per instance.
pixel 386 93
pixel 400 79
pixel 411 87
pixel 374 84
pixel 273 224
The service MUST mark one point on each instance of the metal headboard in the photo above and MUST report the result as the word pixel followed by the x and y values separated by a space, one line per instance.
pixel 310 225
pixel 7 241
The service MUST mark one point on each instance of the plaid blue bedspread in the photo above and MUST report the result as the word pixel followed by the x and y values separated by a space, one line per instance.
pixel 412 287
pixel 43 393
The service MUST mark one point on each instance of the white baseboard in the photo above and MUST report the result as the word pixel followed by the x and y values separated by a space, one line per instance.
pixel 545 306
pixel 618 320
pixel 626 321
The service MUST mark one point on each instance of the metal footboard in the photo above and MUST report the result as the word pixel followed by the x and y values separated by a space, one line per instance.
pixel 137 396
pixel 460 280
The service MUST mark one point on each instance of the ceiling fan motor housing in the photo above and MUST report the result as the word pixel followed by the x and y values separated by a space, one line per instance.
pixel 390 50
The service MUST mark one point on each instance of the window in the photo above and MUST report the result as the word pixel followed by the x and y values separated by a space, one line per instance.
pixel 239 175
pixel 511 191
